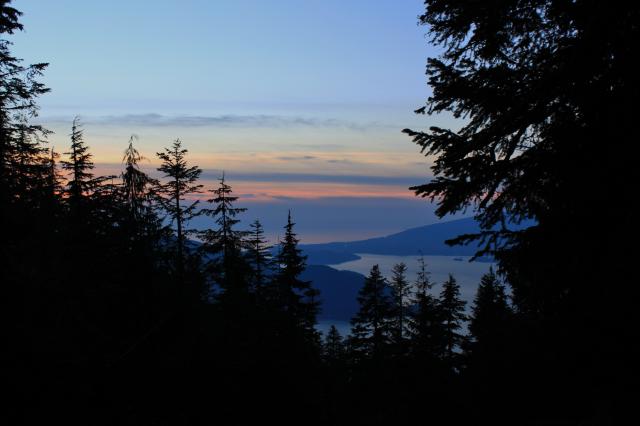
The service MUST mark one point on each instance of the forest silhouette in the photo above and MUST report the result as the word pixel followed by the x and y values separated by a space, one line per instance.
pixel 117 312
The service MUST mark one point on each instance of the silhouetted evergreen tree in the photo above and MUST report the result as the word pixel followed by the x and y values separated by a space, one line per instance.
pixel 451 309
pixel 400 293
pixel 136 185
pixel 426 329
pixel 91 200
pixel 334 346
pixel 137 219
pixel 19 90
pixel 296 298
pixel 491 312
pixel 259 257
pixel 28 162
pixel 52 190
pixel 53 178
pixel 548 94
pixel 81 182
pixel 519 73
pixel 224 245
pixel 489 353
pixel 372 327
pixel 26 248
pixel 172 195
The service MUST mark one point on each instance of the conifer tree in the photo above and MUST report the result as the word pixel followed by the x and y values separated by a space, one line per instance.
pixel 135 183
pixel 518 72
pixel 400 293
pixel 426 330
pixel 491 312
pixel 547 92
pixel 172 195
pixel 372 326
pixel 334 346
pixel 451 309
pixel 28 161
pixel 53 180
pixel 81 182
pixel 50 193
pixel 295 297
pixel 224 245
pixel 259 257
pixel 138 216
pixel 19 89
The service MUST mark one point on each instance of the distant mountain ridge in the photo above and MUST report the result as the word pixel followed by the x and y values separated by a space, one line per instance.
pixel 338 291
pixel 339 288
pixel 428 240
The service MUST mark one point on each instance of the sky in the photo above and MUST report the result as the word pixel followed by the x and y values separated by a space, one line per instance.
pixel 301 103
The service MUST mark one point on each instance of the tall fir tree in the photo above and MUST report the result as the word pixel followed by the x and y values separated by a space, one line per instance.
pixel 372 329
pixel 53 174
pixel 25 234
pixel 172 195
pixel 19 90
pixel 452 311
pixel 81 182
pixel 334 350
pixel 518 71
pixel 426 329
pixel 138 217
pixel 400 298
pixel 549 92
pixel 259 258
pixel 135 183
pixel 28 162
pixel 491 314
pixel 224 245
pixel 490 359
pixel 296 297
pixel 53 183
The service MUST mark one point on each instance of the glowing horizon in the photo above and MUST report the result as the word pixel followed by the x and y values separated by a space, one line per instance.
pixel 300 107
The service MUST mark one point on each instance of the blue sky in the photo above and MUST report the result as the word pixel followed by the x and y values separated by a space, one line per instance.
pixel 301 101
pixel 196 55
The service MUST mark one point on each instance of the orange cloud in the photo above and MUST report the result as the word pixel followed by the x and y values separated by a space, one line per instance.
pixel 269 191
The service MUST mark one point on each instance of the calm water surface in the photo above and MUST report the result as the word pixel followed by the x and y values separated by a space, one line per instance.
pixel 467 274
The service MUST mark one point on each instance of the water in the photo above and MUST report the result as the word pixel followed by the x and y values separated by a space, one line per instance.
pixel 467 273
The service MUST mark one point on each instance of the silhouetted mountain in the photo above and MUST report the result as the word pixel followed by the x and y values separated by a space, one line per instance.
pixel 338 291
pixel 322 256
pixel 428 240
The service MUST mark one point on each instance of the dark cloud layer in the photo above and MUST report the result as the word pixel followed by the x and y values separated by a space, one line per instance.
pixel 312 177
pixel 208 174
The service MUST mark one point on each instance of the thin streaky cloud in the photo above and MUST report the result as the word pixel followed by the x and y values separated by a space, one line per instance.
pixel 341 161
pixel 297 158
pixel 250 121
